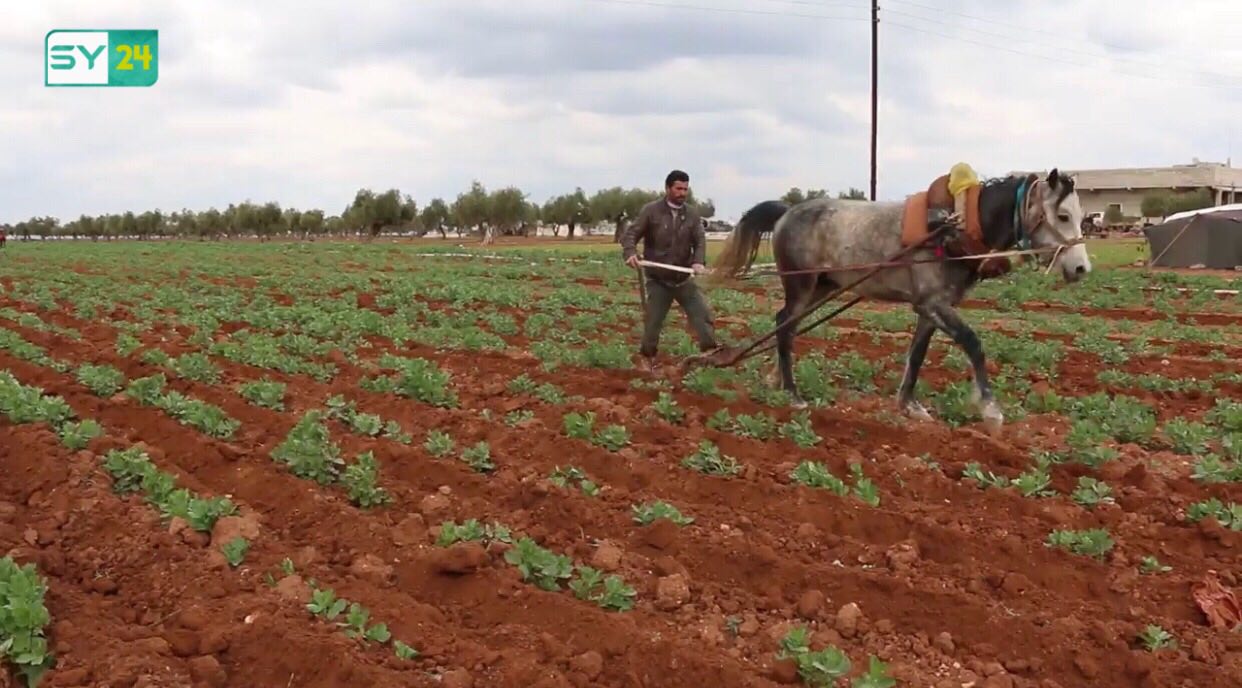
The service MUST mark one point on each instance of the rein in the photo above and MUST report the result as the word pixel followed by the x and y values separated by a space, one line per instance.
pixel 1019 209
pixel 917 261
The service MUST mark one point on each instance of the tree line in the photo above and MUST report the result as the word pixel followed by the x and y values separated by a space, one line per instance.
pixel 476 212
pixel 1165 203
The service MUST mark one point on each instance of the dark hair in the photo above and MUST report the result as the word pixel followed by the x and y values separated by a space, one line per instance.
pixel 674 177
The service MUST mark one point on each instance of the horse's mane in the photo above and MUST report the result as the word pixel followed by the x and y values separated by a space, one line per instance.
pixel 1011 180
pixel 1065 184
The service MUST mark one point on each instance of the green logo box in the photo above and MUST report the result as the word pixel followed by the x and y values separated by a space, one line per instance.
pixel 100 57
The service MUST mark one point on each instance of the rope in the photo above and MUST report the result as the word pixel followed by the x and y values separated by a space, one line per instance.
pixel 905 263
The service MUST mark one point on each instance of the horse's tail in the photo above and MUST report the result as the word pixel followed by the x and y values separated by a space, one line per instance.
pixel 742 246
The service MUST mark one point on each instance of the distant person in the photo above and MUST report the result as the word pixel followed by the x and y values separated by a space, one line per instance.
pixel 672 233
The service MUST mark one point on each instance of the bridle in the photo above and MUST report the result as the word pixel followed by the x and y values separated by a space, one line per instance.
pixel 1029 212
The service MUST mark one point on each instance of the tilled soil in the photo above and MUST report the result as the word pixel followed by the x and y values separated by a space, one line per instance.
pixel 950 584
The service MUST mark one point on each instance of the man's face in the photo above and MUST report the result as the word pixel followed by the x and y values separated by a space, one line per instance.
pixel 678 191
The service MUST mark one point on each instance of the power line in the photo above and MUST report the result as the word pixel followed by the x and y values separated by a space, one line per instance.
pixel 812 3
pixel 1050 58
pixel 1222 81
pixel 1077 51
pixel 1061 43
pixel 730 10
pixel 986 20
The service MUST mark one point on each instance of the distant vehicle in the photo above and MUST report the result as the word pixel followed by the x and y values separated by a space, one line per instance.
pixel 1093 223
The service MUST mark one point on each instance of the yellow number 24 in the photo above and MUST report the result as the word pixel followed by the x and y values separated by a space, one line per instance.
pixel 136 52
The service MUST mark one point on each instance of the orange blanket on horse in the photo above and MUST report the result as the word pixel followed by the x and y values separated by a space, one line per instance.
pixel 940 196
pixel 914 221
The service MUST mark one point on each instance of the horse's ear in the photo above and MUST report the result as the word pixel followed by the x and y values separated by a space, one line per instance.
pixel 1054 178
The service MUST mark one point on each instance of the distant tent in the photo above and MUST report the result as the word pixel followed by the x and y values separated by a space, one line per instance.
pixel 1210 239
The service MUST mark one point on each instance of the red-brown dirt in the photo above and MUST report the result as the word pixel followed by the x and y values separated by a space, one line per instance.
pixel 949 583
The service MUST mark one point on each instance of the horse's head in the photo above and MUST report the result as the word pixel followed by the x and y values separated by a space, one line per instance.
pixel 1053 219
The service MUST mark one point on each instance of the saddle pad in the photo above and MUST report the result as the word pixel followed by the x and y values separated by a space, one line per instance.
pixel 914 219
pixel 938 196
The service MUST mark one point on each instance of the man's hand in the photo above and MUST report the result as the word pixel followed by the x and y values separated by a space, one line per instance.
pixel 698 268
pixel 632 261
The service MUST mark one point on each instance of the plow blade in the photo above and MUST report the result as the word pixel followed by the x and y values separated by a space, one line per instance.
pixel 722 357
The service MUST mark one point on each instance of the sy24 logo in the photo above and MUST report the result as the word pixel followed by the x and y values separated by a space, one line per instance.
pixel 97 57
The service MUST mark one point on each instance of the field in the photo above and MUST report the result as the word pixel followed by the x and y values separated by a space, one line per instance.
pixel 339 464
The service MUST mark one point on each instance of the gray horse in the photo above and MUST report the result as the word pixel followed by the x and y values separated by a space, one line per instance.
pixel 830 233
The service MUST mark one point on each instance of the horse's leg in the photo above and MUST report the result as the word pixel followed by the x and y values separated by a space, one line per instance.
pixel 784 351
pixel 923 332
pixel 775 379
pixel 800 292
pixel 947 319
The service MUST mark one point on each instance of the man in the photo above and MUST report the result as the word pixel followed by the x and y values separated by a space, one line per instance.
pixel 672 233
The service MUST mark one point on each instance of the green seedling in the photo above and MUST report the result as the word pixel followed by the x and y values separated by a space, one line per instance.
pixel 235 551
pixel 1091 493
pixel 404 651
pixel 1093 543
pixel 479 457
pixel 815 474
pixel 708 459
pixel 1152 565
pixel 1155 638
pixel 539 566
pixel 646 514
pixel 439 444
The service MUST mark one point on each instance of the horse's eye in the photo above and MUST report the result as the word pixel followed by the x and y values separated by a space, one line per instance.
pixel 1063 217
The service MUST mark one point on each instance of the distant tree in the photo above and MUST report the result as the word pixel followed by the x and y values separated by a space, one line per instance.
pixel 112 227
pixel 795 195
pixel 1113 215
pixel 335 225
pixel 705 208
pixel 357 215
pixel 372 213
pixel 128 225
pixel 1192 200
pixel 470 210
pixel 435 217
pixel 1155 205
pixel 853 194
pixel 385 211
pixel 185 223
pixel 619 206
pixel 312 224
pixel 293 222
pixel 150 223
pixel 507 209
pixel 211 224
pixel 269 219
pixel 570 210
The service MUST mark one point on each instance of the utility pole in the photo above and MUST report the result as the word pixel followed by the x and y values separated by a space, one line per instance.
pixel 875 73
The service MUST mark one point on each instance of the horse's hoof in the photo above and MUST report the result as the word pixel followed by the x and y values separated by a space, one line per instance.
pixel 916 411
pixel 993 418
pixel 798 403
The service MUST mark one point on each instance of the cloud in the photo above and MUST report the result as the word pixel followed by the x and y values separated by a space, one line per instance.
pixel 305 102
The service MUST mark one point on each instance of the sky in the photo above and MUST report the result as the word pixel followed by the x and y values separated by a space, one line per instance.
pixel 303 102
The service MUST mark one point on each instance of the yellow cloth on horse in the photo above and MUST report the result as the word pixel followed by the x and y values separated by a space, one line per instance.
pixel 961 177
